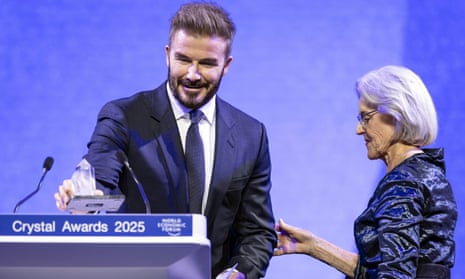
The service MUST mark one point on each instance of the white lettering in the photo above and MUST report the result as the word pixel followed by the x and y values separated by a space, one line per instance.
pixel 30 228
pixel 85 227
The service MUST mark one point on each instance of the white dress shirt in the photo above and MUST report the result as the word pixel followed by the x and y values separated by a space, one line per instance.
pixel 207 130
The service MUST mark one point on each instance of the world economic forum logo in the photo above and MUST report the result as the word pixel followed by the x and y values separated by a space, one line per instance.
pixel 172 226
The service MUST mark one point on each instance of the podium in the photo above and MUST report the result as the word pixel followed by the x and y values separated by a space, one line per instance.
pixel 159 246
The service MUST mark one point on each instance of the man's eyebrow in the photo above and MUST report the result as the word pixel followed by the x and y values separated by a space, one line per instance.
pixel 212 61
pixel 180 55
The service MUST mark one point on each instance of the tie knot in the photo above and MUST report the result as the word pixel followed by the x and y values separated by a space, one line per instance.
pixel 196 116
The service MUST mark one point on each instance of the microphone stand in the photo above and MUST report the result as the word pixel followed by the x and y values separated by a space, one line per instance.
pixel 47 166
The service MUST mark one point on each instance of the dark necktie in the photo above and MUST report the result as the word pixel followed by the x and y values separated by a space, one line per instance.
pixel 195 163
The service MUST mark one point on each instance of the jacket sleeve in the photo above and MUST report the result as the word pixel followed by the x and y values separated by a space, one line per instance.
pixel 110 135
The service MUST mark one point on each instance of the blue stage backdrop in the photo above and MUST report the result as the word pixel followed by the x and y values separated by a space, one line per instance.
pixel 295 64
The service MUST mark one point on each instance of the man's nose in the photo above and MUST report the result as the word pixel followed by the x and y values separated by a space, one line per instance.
pixel 193 72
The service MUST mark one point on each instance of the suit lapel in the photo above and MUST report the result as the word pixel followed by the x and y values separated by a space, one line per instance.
pixel 171 153
pixel 224 157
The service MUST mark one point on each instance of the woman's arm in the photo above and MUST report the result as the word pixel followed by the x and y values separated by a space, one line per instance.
pixel 293 240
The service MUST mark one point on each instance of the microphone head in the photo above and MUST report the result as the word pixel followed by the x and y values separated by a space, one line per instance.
pixel 121 156
pixel 48 163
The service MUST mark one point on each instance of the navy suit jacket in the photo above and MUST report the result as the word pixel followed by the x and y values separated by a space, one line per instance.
pixel 238 211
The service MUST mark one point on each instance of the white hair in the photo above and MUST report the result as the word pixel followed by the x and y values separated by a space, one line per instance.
pixel 399 92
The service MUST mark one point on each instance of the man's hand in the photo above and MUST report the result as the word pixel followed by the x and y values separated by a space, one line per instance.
pixel 64 195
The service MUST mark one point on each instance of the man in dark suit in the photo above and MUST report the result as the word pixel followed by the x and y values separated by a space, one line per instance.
pixel 152 129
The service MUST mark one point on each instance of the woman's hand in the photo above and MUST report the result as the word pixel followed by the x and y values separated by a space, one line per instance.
pixel 293 240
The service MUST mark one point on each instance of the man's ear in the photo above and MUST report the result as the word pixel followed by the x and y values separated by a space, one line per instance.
pixel 167 53
pixel 227 64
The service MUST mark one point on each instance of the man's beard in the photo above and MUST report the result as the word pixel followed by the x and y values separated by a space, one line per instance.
pixel 191 101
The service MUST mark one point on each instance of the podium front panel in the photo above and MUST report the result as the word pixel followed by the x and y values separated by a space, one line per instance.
pixel 104 246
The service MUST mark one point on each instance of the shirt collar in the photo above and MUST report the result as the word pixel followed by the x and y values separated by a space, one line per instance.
pixel 180 111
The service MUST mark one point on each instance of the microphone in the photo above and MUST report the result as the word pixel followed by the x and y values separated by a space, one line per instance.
pixel 124 159
pixel 46 167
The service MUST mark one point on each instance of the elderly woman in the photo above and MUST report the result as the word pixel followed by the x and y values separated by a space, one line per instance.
pixel 407 229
